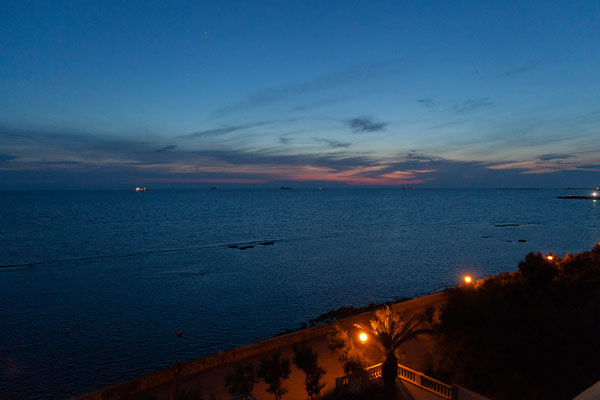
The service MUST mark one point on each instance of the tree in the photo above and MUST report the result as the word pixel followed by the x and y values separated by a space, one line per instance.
pixel 537 271
pixel 305 359
pixel 273 372
pixel 350 355
pixel 241 380
pixel 389 332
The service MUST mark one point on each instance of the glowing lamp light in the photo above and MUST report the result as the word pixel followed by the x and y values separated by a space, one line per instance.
pixel 363 337
pixel 549 257
pixel 595 194
pixel 468 279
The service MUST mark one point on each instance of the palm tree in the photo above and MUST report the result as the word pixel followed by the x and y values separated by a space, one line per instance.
pixel 389 332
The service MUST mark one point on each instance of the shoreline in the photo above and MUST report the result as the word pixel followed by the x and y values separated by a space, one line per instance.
pixel 201 372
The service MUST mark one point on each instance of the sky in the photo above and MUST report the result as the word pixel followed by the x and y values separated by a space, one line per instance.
pixel 176 94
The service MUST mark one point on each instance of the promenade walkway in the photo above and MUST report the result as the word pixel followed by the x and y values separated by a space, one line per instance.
pixel 206 376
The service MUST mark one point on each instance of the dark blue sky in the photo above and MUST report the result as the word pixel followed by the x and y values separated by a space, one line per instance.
pixel 194 94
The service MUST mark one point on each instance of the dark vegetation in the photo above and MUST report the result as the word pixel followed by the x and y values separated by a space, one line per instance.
pixel 274 371
pixel 349 353
pixel 241 380
pixel 306 359
pixel 368 391
pixel 532 334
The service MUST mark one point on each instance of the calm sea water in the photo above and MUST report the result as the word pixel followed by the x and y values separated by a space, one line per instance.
pixel 124 271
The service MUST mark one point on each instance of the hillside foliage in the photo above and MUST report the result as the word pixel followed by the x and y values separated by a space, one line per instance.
pixel 532 334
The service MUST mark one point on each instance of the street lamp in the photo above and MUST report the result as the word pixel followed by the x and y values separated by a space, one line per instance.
pixel 468 279
pixel 363 337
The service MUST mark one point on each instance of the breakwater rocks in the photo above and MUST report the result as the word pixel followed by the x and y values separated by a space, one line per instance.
pixel 508 241
pixel 250 245
pixel 578 197
pixel 344 312
pixel 506 226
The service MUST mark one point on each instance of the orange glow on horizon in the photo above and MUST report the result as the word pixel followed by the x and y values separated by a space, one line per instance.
pixel 192 180
pixel 307 173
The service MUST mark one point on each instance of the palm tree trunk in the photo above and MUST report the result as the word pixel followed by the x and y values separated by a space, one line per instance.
pixel 389 373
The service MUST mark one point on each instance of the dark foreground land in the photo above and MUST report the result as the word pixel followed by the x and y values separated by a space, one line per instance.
pixel 532 334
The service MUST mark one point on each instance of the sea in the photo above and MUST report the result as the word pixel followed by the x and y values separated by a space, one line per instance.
pixel 95 285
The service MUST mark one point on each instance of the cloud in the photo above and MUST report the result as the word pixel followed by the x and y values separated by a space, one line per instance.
pixel 334 144
pixel 62 148
pixel 284 140
pixel 447 124
pixel 427 102
pixel 555 156
pixel 6 157
pixel 473 105
pixel 463 107
pixel 43 149
pixel 61 162
pixel 590 167
pixel 524 68
pixel 309 105
pixel 415 155
pixel 224 130
pixel 62 159
pixel 166 148
pixel 319 84
pixel 427 168
pixel 365 125
pixel 335 161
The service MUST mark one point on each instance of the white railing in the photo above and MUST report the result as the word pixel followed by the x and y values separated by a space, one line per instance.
pixel 342 381
pixel 415 377
pixel 374 372
pixel 425 382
